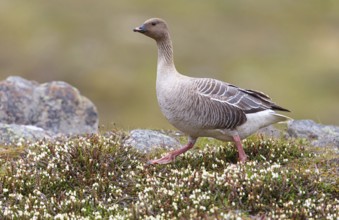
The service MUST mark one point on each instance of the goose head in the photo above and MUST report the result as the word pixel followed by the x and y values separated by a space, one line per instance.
pixel 155 28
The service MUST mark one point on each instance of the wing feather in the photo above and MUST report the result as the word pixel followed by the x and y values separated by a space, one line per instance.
pixel 226 106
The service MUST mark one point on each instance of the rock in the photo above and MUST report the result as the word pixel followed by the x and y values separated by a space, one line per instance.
pixel 61 109
pixel 56 107
pixel 273 131
pixel 317 134
pixel 145 140
pixel 16 98
pixel 13 133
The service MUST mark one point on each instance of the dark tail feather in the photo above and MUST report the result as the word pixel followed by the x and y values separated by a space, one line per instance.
pixel 278 108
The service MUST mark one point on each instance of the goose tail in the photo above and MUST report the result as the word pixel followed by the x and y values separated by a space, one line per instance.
pixel 281 118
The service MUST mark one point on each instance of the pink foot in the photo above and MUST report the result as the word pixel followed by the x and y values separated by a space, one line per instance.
pixel 164 160
pixel 173 154
pixel 242 156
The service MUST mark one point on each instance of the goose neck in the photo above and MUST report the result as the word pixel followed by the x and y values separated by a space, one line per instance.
pixel 165 54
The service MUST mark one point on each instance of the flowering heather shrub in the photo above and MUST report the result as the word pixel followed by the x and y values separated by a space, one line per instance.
pixel 94 177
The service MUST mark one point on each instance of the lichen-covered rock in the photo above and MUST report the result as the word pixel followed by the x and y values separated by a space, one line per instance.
pixel 61 109
pixel 273 131
pixel 56 107
pixel 16 100
pixel 15 134
pixel 317 134
pixel 145 140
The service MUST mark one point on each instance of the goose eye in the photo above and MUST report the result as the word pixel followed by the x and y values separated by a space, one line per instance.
pixel 153 23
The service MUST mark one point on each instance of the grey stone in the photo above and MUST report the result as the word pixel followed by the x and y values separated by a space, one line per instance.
pixel 273 131
pixel 56 107
pixel 61 109
pixel 16 98
pixel 145 140
pixel 317 134
pixel 15 134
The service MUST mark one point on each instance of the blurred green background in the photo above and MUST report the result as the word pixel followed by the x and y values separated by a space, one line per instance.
pixel 287 49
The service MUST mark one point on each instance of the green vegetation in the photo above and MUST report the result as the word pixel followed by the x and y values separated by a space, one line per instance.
pixel 94 177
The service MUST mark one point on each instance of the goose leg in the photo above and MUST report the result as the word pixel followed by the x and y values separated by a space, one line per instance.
pixel 173 154
pixel 242 155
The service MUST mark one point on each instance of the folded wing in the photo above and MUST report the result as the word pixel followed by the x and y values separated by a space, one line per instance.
pixel 226 105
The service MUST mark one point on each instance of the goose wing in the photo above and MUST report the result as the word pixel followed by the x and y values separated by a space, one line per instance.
pixel 228 105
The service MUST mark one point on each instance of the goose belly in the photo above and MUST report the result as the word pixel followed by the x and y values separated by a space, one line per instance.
pixel 193 126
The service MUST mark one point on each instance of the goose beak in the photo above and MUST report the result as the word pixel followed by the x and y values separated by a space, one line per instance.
pixel 140 29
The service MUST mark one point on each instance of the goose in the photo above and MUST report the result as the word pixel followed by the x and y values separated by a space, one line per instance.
pixel 205 107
